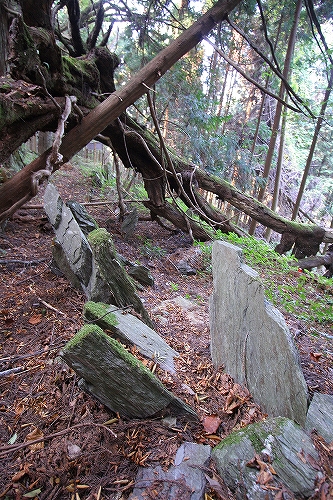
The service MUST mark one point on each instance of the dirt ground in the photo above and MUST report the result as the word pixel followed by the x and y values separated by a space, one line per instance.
pixel 58 442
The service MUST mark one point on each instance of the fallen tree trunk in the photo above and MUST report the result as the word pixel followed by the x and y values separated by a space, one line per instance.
pixel 317 261
pixel 140 148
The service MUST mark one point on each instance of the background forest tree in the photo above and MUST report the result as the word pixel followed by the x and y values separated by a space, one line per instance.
pixel 210 119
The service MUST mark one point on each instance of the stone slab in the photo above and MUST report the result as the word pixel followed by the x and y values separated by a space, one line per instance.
pixel 69 235
pixel 287 447
pixel 184 480
pixel 320 416
pixel 250 338
pixel 130 330
pixel 118 379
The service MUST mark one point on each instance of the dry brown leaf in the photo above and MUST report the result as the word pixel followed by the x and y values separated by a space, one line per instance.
pixel 35 319
pixel 20 474
pixel 315 356
pixel 32 436
pixel 313 462
pixel 211 423
pixel 264 477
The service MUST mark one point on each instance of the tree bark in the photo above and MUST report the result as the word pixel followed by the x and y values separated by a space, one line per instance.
pixel 279 107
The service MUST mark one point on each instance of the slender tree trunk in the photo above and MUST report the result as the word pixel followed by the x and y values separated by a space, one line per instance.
pixel 313 146
pixel 277 183
pixel 279 106
pixel 262 104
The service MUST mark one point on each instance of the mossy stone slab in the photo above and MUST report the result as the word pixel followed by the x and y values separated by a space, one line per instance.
pixel 291 453
pixel 118 379
pixel 130 330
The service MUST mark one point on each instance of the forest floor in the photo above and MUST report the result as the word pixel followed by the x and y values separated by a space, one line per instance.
pixel 58 442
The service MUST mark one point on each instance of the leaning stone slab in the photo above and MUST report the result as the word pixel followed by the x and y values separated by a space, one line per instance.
pixel 73 242
pixel 250 338
pixel 86 222
pixel 113 273
pixel 130 330
pixel 117 379
pixel 184 480
pixel 290 453
pixel 320 416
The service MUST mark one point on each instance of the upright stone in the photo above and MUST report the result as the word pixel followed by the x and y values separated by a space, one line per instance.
pixel 72 252
pixel 320 416
pixel 251 339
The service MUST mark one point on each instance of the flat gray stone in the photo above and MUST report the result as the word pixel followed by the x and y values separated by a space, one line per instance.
pixel 184 480
pixel 291 454
pixel 320 416
pixel 194 313
pixel 250 338
pixel 118 379
pixel 130 330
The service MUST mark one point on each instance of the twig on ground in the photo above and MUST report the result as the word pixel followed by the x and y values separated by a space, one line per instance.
pixel 4 450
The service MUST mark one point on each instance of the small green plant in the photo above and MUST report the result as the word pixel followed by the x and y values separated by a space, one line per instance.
pixel 206 254
pixel 174 286
pixel 150 250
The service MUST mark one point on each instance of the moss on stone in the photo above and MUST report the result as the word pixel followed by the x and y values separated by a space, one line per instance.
pixel 100 239
pixel 98 310
pixel 115 346
pixel 99 236
pixel 81 334
pixel 257 433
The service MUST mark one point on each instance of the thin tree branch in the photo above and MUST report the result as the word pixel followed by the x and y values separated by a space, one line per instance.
pixel 263 20
pixel 251 80
pixel 314 21
pixel 276 70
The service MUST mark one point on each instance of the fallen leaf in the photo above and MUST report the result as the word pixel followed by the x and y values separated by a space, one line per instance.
pixel 211 423
pixel 13 438
pixel 264 477
pixel 35 319
pixel 315 356
pixel 215 485
pixel 20 474
pixel 312 462
pixel 253 463
pixel 32 494
pixel 32 436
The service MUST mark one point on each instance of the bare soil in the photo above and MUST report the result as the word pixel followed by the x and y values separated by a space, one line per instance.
pixel 60 442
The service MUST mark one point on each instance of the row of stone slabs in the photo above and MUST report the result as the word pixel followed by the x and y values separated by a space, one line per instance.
pixel 123 384
pixel 248 336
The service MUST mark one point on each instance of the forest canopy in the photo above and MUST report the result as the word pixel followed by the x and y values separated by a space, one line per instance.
pixel 223 109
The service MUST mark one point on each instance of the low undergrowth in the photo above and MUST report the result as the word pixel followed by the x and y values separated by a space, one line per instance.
pixel 306 295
